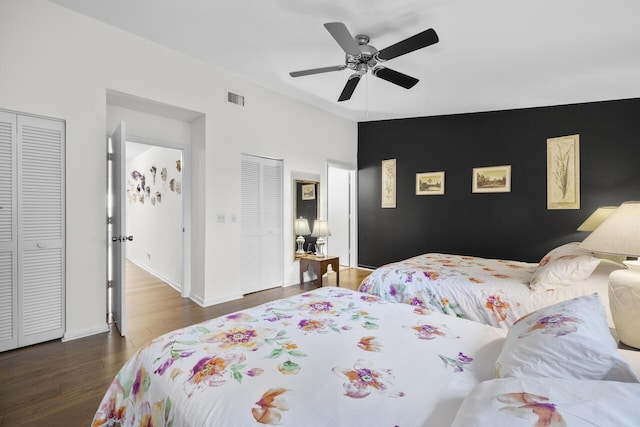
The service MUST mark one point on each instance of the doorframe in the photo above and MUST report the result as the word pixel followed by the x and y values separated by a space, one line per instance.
pixel 185 292
pixel 353 205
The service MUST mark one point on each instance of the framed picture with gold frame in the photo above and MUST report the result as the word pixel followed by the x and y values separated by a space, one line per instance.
pixel 430 183
pixel 492 179
pixel 563 172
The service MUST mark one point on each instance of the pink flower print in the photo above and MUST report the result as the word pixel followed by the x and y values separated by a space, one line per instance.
pixel 527 403
pixel 431 275
pixel 140 384
pixel 427 332
pixel 320 307
pixel 310 325
pixel 416 302
pixel 241 317
pixel 269 407
pixel 363 379
pixel 456 363
pixel 544 261
pixel 236 337
pixel 369 344
pixel 369 298
pixel 498 307
pixel 423 311
pixel 212 371
pixel 556 324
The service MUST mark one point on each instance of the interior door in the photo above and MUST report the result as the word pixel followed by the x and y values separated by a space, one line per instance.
pixel 339 213
pixel 117 228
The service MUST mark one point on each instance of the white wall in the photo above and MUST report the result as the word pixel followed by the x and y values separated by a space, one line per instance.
pixel 155 222
pixel 57 63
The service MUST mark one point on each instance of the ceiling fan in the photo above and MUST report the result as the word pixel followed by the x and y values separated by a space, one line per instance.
pixel 362 57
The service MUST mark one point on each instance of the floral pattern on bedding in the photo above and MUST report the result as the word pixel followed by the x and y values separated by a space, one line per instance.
pixel 490 291
pixel 272 365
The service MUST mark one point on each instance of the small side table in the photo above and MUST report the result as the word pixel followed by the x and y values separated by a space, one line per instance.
pixel 319 266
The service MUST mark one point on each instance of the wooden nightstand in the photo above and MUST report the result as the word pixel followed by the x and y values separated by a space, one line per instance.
pixel 319 266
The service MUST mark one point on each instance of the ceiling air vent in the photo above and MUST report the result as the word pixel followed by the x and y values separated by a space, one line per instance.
pixel 234 98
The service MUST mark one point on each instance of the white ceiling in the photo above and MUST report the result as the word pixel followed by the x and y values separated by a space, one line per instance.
pixel 492 54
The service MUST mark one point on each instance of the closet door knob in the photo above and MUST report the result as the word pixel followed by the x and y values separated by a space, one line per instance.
pixel 41 245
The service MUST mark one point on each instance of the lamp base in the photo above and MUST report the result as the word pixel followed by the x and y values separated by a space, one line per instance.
pixel 300 243
pixel 624 299
pixel 320 248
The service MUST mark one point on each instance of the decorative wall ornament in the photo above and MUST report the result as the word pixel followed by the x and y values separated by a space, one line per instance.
pixel 153 200
pixel 389 183
pixel 429 183
pixel 153 173
pixel 163 174
pixel 563 172
pixel 158 196
pixel 492 179
pixel 147 190
pixel 135 175
pixel 143 180
pixel 172 184
pixel 178 187
pixel 179 165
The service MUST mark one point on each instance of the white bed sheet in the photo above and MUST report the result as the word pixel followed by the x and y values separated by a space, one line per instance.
pixel 328 357
pixel 489 291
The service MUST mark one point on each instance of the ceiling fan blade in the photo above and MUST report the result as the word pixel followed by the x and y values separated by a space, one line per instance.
pixel 420 40
pixel 344 38
pixel 317 70
pixel 349 87
pixel 395 77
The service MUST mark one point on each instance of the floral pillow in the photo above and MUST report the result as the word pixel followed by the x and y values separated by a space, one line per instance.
pixel 570 339
pixel 529 402
pixel 562 265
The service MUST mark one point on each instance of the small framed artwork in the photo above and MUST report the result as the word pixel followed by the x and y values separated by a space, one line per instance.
pixel 389 183
pixel 492 179
pixel 429 183
pixel 563 172
pixel 308 191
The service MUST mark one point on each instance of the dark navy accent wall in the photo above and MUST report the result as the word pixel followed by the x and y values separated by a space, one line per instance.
pixel 515 225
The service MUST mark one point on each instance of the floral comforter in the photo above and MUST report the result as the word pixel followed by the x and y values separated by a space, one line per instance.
pixel 327 357
pixel 490 291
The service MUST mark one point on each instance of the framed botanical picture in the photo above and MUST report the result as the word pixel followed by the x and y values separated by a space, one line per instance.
pixel 563 172
pixel 429 183
pixel 492 179
pixel 308 191
pixel 389 183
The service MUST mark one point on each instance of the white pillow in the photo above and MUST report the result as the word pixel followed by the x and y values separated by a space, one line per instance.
pixel 520 402
pixel 570 339
pixel 563 265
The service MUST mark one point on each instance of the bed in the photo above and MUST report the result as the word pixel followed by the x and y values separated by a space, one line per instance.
pixel 327 357
pixel 342 358
pixel 492 291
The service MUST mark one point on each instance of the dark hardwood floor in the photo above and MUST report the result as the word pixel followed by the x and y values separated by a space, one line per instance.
pixel 61 383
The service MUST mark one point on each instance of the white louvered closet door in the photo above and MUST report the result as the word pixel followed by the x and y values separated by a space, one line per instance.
pixel 41 229
pixel 8 233
pixel 260 224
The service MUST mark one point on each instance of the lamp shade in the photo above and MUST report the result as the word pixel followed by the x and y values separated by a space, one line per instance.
pixel 596 218
pixel 320 228
pixel 619 234
pixel 301 227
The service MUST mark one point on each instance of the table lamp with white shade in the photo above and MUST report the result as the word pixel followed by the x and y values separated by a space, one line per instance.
pixel 301 228
pixel 619 234
pixel 597 217
pixel 320 230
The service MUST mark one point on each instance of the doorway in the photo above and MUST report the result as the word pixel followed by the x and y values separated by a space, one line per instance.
pixel 145 211
pixel 341 208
